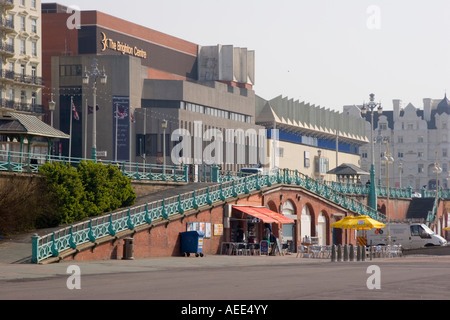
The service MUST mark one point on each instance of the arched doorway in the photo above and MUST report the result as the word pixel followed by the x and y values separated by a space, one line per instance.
pixel 305 223
pixel 336 232
pixel 288 209
pixel 322 228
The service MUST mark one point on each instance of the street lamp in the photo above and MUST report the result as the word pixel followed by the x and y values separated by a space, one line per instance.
pixel 437 169
pixel 372 105
pixel 400 171
pixel 387 160
pixel 164 127
pixel 51 107
pixel 95 73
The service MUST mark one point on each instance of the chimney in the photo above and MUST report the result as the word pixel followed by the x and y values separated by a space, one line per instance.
pixel 427 109
pixel 397 108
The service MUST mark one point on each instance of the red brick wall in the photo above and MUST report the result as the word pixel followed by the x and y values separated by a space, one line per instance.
pixel 57 40
pixel 164 240
pixel 132 29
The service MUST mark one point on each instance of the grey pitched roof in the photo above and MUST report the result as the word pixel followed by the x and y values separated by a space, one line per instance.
pixel 18 123
pixel 348 169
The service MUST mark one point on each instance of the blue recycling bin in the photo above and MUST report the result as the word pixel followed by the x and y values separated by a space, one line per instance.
pixel 192 242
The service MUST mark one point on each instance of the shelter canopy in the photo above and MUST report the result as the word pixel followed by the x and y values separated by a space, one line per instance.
pixel 264 214
pixel 19 124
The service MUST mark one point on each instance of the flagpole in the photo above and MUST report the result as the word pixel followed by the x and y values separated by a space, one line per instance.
pixel 117 129
pixel 86 111
pixel 70 140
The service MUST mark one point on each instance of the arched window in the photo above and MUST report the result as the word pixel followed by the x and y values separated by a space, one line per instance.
pixel 305 223
pixel 322 229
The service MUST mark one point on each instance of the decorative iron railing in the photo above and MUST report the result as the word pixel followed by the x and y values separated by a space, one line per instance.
pixel 109 225
pixel 31 162
pixel 359 189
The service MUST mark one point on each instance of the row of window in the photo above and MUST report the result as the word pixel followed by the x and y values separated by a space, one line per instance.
pixel 409 126
pixel 32 3
pixel 215 112
pixel 400 154
pixel 11 94
pixel 23 46
pixel 23 68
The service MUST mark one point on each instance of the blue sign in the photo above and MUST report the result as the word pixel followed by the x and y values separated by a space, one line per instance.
pixel 121 127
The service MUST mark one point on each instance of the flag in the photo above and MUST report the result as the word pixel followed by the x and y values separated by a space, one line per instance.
pixel 132 115
pixel 91 109
pixel 75 113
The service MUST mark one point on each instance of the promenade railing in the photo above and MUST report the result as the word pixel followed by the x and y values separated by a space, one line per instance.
pixel 20 162
pixel 92 230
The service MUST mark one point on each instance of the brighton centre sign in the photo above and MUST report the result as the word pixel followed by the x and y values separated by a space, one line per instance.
pixel 111 44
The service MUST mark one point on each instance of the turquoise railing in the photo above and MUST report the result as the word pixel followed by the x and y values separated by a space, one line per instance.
pixel 109 225
pixel 359 189
pixel 11 161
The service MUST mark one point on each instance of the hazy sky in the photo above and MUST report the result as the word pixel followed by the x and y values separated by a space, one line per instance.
pixel 326 52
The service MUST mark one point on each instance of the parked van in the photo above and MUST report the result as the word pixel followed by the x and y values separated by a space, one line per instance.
pixel 408 235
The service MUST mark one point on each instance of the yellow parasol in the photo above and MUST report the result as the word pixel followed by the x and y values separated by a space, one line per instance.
pixel 358 223
pixel 447 229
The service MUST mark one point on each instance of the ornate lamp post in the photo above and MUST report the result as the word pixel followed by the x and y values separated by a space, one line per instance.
pixel 387 160
pixel 437 169
pixel 51 107
pixel 372 105
pixel 164 127
pixel 95 73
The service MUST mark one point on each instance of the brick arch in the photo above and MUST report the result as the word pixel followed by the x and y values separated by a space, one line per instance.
pixel 324 229
pixel 292 201
pixel 272 206
pixel 304 229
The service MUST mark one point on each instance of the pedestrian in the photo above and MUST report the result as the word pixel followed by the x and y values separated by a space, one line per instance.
pixel 240 234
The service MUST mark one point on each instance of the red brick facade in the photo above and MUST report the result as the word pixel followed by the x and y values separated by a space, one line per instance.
pixel 164 239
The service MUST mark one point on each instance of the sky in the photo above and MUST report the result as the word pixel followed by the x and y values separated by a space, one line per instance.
pixel 329 53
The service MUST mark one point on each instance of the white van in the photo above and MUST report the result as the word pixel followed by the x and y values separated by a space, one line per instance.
pixel 408 235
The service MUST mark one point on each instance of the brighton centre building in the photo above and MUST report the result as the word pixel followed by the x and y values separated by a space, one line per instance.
pixel 141 86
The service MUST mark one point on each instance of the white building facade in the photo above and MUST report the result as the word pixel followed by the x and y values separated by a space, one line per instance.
pixel 416 138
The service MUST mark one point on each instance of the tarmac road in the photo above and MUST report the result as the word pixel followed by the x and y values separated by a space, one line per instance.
pixel 231 278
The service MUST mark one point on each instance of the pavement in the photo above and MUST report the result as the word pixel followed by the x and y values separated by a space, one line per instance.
pixel 16 249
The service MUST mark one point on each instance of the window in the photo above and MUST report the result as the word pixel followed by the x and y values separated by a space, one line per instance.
pixel 22 23
pixel 400 139
pixel 33 98
pixel 23 97
pixel 34 49
pixel 307 159
pixel 364 155
pixel 400 155
pixel 420 168
pixel 420 140
pixel 321 166
pixel 420 154
pixel 33 4
pixel 23 46
pixel 33 25
pixel 410 126
pixel 22 3
pixel 383 126
pixel 444 153
pixel 70 70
